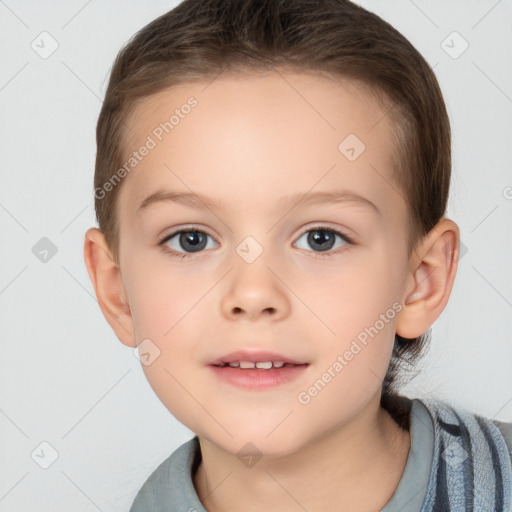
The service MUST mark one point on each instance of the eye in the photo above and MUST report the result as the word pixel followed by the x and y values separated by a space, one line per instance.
pixel 191 240
pixel 322 239
pixel 185 242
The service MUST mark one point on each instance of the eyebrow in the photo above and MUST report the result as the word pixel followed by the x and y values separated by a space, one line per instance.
pixel 202 202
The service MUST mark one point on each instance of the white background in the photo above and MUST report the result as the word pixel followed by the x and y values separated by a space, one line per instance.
pixel 67 380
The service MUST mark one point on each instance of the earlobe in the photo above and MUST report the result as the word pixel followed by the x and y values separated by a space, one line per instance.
pixel 430 282
pixel 106 278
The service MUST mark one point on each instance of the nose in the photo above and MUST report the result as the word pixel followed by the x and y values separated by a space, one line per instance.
pixel 255 291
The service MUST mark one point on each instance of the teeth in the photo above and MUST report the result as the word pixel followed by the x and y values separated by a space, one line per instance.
pixel 264 365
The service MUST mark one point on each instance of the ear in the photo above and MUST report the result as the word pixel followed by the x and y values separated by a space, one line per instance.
pixel 432 270
pixel 108 285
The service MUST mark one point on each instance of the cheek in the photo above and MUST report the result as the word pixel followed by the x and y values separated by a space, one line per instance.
pixel 173 308
pixel 352 295
pixel 358 307
pixel 161 298
pixel 166 309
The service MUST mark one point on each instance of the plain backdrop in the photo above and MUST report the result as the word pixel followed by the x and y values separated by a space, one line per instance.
pixel 65 379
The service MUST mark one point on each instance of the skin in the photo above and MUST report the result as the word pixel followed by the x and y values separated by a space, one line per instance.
pixel 250 141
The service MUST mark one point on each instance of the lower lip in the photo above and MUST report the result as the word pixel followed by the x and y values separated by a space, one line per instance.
pixel 258 378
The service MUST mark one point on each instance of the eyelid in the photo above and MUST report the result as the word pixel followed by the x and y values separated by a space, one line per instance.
pixel 325 226
pixel 185 228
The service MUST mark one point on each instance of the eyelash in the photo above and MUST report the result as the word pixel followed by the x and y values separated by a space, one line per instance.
pixel 323 254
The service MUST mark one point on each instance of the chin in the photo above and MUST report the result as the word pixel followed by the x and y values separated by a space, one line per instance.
pixel 254 441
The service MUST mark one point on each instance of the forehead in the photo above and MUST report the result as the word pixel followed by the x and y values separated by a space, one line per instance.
pixel 249 139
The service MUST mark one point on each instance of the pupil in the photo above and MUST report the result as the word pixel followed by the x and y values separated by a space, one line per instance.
pixel 192 241
pixel 323 238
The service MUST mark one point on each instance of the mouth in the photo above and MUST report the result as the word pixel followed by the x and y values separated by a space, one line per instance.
pixel 257 371
pixel 260 365
pixel 248 359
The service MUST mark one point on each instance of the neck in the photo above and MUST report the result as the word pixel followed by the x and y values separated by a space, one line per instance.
pixel 358 467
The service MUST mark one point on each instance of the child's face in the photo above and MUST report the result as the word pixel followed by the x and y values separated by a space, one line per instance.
pixel 249 143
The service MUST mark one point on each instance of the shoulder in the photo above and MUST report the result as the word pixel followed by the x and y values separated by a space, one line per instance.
pixel 170 486
pixel 468 427
pixel 505 429
pixel 471 459
pixel 155 488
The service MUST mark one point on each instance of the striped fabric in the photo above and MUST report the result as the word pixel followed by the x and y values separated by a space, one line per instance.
pixel 471 469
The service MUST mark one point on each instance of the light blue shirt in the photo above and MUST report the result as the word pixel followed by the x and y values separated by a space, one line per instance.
pixel 449 467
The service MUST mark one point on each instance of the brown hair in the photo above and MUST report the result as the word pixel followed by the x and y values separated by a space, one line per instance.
pixel 198 39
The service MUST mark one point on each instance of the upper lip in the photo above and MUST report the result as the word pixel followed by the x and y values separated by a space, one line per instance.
pixel 254 357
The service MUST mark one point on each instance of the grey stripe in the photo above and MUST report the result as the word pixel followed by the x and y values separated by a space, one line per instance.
pixel 498 488
pixel 468 465
pixel 442 501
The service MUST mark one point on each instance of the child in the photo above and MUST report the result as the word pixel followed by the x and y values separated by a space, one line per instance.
pixel 271 185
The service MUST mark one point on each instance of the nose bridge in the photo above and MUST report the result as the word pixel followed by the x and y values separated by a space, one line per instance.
pixel 254 289
pixel 250 250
